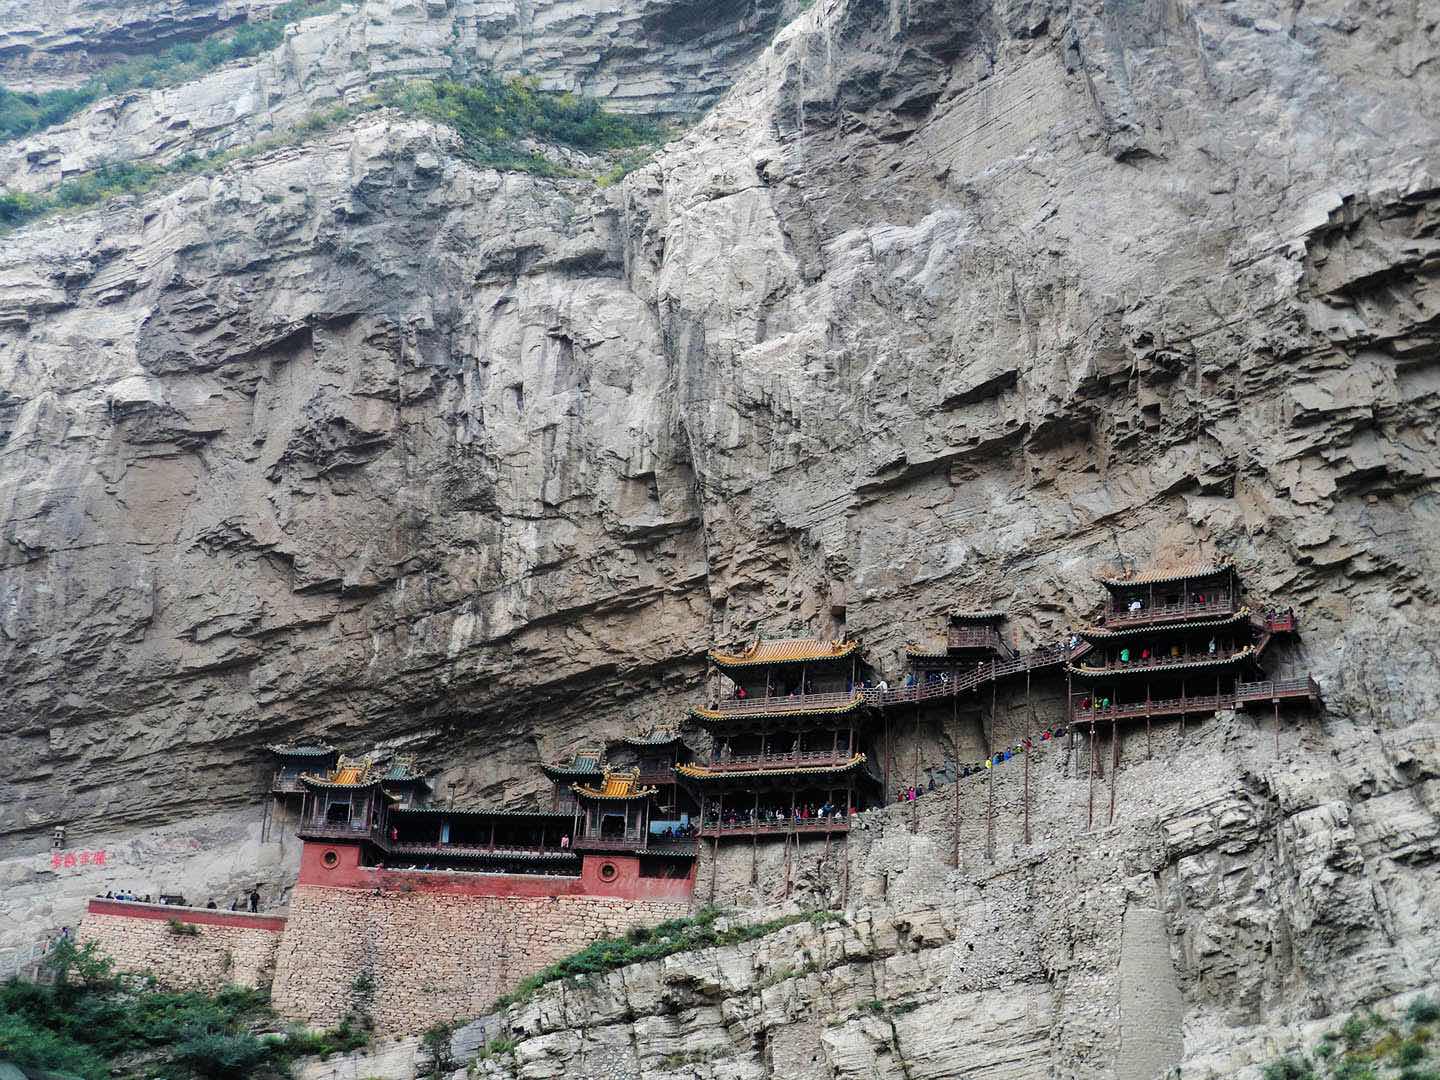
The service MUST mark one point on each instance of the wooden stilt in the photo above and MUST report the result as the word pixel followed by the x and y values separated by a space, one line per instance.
pixel 1090 812
pixel 845 873
pixel 1114 765
pixel 955 740
pixel 1276 702
pixel 788 838
pixel 990 809
pixel 915 778
pixel 1026 745
pixel 885 798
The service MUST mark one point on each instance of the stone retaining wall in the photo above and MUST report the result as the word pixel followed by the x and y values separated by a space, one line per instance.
pixel 219 948
pixel 432 956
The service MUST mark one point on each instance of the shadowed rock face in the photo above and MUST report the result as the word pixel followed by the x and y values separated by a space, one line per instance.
pixel 941 304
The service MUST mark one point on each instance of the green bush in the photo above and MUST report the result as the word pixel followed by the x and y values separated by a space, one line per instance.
pixel 1422 1010
pixel 676 935
pixel 23 113
pixel 493 118
pixel 1289 1068
pixel 221 1055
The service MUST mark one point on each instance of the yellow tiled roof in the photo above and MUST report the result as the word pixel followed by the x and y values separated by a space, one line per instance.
pixel 616 785
pixel 702 772
pixel 1156 575
pixel 785 651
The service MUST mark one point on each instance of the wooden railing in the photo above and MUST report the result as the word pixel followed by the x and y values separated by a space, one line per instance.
pixel 971 677
pixel 1162 662
pixel 408 848
pixel 1277 622
pixel 1275 689
pixel 609 843
pixel 742 762
pixel 780 828
pixel 798 702
pixel 286 785
pixel 1119 620
pixel 336 830
pixel 971 637
pixel 672 847
pixel 1272 690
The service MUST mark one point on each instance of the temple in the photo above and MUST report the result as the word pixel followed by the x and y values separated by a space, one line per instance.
pixel 785 725
pixel 1179 643
pixel 606 826
pixel 971 638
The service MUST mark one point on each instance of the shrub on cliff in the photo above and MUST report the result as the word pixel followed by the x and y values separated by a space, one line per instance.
pixel 23 113
pixel 91 1023
pixel 700 931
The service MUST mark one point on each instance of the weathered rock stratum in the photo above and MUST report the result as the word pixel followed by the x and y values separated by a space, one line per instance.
pixel 939 304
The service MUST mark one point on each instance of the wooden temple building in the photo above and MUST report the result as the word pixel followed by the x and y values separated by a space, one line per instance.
pixel 1176 643
pixel 790 730
pixel 607 827
pixel 786 728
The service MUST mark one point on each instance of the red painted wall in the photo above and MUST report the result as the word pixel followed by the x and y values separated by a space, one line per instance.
pixel 626 883
pixel 199 916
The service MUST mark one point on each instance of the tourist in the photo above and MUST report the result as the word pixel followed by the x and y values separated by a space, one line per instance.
pixel 884 685
pixel 235 904
pixel 147 898
pixel 1212 646
pixel 1124 656
pixel 212 905
pixel 740 693
pixel 1135 605
pixel 255 899
pixel 109 895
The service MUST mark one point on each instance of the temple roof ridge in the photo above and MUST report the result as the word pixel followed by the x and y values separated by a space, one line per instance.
pixel 796 650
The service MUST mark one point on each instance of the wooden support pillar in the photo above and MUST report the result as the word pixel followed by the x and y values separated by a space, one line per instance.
pixel 1182 708
pixel 990 773
pixel 885 798
pixel 1114 765
pixel 955 741
pixel 1090 811
pixel 1276 702
pixel 1026 748
pixel 915 778
pixel 845 873
pixel 1149 752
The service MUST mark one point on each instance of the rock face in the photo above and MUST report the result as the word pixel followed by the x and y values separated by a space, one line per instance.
pixel 940 304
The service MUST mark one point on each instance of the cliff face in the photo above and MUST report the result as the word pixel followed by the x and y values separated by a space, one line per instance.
pixel 942 303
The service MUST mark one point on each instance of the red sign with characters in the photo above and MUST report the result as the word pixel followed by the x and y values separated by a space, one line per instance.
pixel 67 859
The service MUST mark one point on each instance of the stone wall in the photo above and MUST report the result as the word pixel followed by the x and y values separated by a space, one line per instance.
pixel 432 956
pixel 225 948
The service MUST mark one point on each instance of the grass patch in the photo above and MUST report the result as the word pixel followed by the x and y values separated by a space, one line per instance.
pixel 1368 1046
pixel 132 178
pixel 94 1025
pixel 23 113
pixel 495 119
pixel 182 929
pixel 640 944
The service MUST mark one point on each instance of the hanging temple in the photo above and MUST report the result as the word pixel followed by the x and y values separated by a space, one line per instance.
pixel 798 744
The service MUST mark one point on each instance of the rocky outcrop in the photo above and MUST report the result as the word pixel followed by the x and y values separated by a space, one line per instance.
pixel 941 304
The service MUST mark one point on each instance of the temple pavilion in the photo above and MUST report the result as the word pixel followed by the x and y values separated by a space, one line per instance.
pixel 785 726
pixel 971 638
pixel 1179 642
pixel 633 813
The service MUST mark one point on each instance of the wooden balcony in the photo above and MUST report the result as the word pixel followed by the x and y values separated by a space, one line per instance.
pixel 972 637
pixel 286 785
pixel 1160 663
pixel 609 843
pixel 761 830
pixel 319 829
pixel 971 677
pixel 1121 620
pixel 1278 622
pixel 481 851
pixel 779 703
pixel 752 762
pixel 1300 688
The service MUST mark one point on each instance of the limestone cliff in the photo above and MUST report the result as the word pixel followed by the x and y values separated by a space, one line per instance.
pixel 939 303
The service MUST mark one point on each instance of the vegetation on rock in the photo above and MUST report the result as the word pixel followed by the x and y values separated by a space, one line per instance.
pixel 22 113
pixel 702 930
pixel 1368 1046
pixel 94 1024
pixel 496 119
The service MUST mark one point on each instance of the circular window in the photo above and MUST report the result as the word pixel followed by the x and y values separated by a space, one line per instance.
pixel 331 859
pixel 608 872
